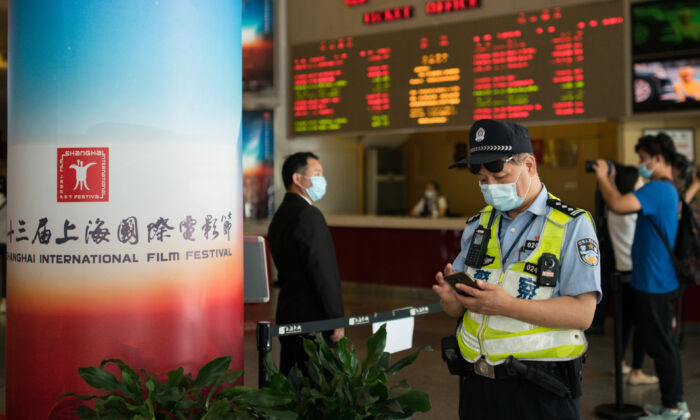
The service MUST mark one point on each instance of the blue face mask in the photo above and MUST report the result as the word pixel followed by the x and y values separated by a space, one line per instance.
pixel 645 172
pixel 503 197
pixel 318 187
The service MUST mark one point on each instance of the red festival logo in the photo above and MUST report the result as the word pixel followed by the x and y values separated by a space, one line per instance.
pixel 82 174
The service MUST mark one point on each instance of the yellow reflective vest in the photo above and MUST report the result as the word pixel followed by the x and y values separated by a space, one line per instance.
pixel 495 337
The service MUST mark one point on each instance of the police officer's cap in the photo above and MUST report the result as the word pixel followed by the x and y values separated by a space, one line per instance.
pixel 490 140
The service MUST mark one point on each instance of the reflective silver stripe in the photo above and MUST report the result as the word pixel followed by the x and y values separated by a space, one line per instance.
pixel 470 341
pixel 535 342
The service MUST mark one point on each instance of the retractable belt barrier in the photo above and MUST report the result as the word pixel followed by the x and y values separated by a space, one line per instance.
pixel 265 329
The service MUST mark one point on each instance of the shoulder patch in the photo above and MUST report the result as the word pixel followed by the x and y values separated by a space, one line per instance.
pixel 564 208
pixel 588 251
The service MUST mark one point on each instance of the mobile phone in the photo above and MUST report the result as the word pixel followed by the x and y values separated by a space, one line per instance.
pixel 460 277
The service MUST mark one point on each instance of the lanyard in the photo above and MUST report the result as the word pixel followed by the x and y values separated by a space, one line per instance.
pixel 520 235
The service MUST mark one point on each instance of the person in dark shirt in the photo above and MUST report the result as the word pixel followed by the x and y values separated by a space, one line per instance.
pixel 303 252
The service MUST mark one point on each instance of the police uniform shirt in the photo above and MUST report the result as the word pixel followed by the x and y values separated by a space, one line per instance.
pixel 579 272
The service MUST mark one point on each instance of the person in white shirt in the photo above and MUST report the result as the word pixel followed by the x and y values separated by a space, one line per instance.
pixel 621 229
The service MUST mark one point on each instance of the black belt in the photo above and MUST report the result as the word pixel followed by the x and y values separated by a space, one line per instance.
pixel 501 372
pixel 548 375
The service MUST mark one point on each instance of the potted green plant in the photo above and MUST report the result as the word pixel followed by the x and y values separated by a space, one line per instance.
pixel 140 395
pixel 339 387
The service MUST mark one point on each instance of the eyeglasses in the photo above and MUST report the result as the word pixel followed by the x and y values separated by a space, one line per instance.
pixel 494 167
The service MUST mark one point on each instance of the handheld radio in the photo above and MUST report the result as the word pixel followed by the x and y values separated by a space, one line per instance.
pixel 479 244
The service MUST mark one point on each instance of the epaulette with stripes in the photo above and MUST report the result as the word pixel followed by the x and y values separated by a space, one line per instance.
pixel 475 217
pixel 478 215
pixel 564 208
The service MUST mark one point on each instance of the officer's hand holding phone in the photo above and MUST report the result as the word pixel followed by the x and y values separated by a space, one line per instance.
pixel 448 297
pixel 463 278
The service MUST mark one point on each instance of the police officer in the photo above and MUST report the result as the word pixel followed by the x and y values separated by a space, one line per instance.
pixel 535 262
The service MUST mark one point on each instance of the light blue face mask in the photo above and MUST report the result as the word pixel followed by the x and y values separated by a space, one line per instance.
pixel 645 172
pixel 504 197
pixel 318 187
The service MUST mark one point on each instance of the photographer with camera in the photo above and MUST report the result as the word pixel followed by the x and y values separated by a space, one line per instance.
pixel 654 279
pixel 616 235
pixel 686 175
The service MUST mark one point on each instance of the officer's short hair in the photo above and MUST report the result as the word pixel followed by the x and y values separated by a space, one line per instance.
pixel 295 163
pixel 520 158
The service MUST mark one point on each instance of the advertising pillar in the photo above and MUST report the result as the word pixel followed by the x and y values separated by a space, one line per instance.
pixel 124 202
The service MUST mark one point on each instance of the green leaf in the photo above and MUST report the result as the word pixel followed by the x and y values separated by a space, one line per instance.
pixel 379 390
pixel 317 377
pixel 364 397
pixel 211 372
pixel 263 398
pixel 81 397
pixel 402 385
pixel 175 377
pixel 234 391
pixel 375 348
pixel 131 381
pixel 390 406
pixel 407 360
pixel 232 377
pixel 276 414
pixel 120 402
pixel 310 348
pixel 167 396
pixel 86 413
pixel 383 361
pixel 279 383
pixel 414 401
pixel 269 364
pixel 99 378
pixel 347 356
pixel 218 410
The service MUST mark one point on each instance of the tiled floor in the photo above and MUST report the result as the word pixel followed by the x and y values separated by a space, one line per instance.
pixel 429 373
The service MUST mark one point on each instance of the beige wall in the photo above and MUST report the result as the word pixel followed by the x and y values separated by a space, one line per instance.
pixel 631 129
pixel 429 154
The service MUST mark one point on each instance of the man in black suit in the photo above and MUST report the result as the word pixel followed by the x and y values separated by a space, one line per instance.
pixel 303 252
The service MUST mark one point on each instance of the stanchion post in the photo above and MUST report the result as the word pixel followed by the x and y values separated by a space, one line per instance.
pixel 264 338
pixel 619 410
pixel 617 295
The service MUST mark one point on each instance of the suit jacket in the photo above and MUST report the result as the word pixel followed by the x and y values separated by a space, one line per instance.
pixel 302 249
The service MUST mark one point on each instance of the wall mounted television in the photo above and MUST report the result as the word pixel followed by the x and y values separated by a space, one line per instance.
pixel 665 27
pixel 666 85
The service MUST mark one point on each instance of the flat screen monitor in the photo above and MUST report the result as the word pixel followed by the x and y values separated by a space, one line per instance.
pixel 256 283
pixel 667 85
pixel 665 27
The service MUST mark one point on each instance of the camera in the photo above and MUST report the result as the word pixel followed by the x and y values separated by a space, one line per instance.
pixel 590 165
pixel 685 169
pixel 687 173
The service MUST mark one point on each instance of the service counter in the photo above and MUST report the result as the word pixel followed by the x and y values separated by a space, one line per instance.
pixel 406 251
pixel 397 251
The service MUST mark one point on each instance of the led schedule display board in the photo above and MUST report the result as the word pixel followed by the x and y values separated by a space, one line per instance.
pixel 548 65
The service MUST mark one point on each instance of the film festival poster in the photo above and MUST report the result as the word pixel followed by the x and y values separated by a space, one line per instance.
pixel 258 168
pixel 257 44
